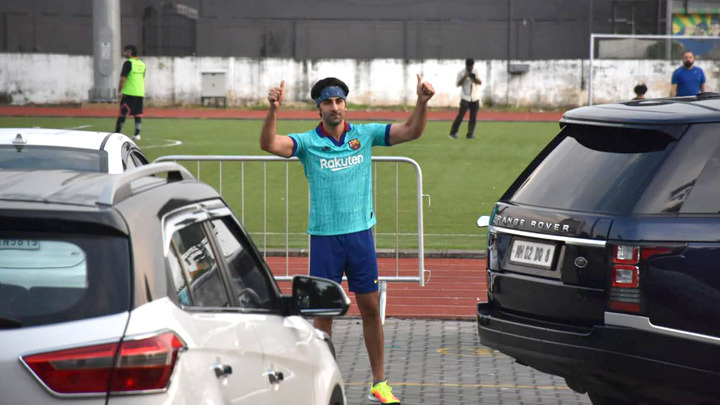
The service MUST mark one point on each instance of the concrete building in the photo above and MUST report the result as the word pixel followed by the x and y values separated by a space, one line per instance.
pixel 320 29
pixel 529 53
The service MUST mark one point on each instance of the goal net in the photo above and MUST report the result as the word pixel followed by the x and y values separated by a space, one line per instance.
pixel 620 62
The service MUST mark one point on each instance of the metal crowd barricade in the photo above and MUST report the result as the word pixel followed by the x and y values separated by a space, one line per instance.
pixel 383 280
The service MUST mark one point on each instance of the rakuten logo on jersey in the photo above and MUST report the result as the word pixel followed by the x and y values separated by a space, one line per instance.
pixel 336 164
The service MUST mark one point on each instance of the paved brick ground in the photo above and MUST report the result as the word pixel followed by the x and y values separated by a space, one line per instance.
pixel 442 362
pixel 433 354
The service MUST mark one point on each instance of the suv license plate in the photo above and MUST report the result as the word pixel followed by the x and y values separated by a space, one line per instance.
pixel 19 244
pixel 532 253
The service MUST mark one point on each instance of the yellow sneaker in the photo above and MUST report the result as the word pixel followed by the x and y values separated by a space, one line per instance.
pixel 381 393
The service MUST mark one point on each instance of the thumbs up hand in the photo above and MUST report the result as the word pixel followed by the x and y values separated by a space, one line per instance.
pixel 276 95
pixel 425 90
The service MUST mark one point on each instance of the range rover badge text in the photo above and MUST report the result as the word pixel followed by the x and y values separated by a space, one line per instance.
pixel 502 220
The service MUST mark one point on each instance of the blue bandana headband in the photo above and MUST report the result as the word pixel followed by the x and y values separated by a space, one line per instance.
pixel 329 92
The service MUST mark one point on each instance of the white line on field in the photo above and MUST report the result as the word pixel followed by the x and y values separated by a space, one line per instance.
pixel 80 127
pixel 170 142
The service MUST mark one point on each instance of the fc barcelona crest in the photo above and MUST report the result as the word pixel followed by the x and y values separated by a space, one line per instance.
pixel 354 144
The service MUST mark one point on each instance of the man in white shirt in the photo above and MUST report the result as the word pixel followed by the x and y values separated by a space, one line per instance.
pixel 469 83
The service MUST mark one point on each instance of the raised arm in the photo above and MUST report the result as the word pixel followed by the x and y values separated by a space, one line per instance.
pixel 415 125
pixel 279 145
pixel 121 85
pixel 462 79
pixel 126 68
pixel 465 76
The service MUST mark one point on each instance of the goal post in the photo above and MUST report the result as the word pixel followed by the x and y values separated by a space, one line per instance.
pixel 625 60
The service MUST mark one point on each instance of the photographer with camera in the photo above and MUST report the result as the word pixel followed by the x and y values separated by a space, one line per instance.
pixel 468 81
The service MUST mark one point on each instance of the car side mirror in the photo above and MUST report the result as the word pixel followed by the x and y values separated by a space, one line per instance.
pixel 483 221
pixel 315 296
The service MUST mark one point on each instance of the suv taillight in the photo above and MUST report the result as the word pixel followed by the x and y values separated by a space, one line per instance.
pixel 625 292
pixel 133 365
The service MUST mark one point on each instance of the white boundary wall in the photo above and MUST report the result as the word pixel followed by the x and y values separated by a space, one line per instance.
pixel 639 44
pixel 59 79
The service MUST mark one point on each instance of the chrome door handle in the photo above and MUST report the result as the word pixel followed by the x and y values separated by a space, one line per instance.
pixel 222 370
pixel 275 377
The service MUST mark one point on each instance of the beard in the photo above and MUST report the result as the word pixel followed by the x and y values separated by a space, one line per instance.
pixel 687 64
pixel 333 119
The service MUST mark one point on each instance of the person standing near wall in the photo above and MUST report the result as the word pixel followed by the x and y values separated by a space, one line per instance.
pixel 337 158
pixel 688 79
pixel 131 89
pixel 469 83
pixel 640 91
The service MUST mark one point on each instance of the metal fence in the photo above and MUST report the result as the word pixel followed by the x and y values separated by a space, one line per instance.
pixel 397 160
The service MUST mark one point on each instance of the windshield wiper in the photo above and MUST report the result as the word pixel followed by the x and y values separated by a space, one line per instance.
pixel 7 322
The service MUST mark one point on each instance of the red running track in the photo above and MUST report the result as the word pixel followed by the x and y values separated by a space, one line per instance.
pixel 107 111
pixel 453 291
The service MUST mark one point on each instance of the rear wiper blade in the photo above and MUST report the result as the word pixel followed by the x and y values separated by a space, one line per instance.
pixel 7 322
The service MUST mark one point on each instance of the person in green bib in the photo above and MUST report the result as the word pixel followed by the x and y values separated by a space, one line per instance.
pixel 131 90
pixel 337 158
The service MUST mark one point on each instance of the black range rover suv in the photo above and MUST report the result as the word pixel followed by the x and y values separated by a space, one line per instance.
pixel 604 254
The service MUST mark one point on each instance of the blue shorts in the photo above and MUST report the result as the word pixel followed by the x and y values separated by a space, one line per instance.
pixel 350 253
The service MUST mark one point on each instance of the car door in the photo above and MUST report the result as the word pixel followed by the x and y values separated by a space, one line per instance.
pixel 224 359
pixel 290 351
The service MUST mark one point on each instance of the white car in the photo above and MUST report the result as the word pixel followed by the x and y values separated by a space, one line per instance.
pixel 143 288
pixel 40 148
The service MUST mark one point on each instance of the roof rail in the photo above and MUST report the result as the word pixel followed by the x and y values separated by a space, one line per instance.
pixel 119 189
pixel 707 94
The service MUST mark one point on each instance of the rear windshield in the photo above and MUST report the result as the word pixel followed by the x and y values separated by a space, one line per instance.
pixel 46 278
pixel 619 171
pixel 595 169
pixel 48 158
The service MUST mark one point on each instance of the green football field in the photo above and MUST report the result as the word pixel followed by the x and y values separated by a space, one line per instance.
pixel 463 178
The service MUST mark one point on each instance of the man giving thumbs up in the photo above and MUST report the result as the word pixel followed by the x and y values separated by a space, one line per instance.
pixel 337 157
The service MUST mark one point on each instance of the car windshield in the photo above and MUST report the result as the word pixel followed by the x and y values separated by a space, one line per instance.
pixel 47 277
pixel 595 169
pixel 48 158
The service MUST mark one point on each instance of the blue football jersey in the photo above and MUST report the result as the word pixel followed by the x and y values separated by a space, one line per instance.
pixel 340 176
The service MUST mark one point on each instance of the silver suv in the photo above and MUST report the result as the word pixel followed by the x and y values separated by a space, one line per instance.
pixel 143 287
